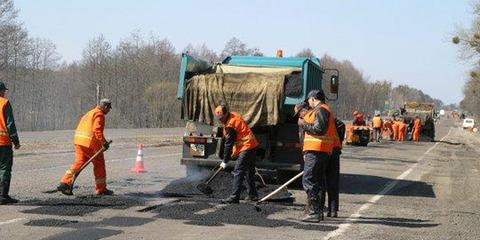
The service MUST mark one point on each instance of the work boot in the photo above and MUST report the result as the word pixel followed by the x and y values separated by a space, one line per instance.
pixel 332 210
pixel 230 200
pixel 313 215
pixel 65 189
pixel 4 197
pixel 253 198
pixel 105 192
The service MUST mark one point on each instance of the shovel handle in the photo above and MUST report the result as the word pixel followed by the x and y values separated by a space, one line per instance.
pixel 280 188
pixel 214 175
pixel 103 149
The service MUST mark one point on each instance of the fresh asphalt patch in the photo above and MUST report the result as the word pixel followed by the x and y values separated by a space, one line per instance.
pixel 79 206
pixel 211 214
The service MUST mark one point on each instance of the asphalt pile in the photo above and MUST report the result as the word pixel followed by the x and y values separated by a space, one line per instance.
pixel 221 186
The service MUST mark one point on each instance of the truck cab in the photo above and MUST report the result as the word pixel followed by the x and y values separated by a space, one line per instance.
pixel 280 149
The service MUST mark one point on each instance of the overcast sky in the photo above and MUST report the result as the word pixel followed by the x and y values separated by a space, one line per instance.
pixel 404 41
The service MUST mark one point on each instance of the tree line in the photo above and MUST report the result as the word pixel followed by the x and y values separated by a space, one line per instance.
pixel 469 41
pixel 140 75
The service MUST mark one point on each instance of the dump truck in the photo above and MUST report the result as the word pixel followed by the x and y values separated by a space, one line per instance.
pixel 427 114
pixel 264 90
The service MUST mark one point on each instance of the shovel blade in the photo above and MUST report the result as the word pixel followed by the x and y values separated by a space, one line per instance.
pixel 204 188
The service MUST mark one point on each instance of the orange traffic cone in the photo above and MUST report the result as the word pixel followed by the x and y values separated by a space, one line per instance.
pixel 138 167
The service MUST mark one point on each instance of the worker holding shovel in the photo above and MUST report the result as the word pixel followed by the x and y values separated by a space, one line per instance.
pixel 318 143
pixel 239 141
pixel 89 142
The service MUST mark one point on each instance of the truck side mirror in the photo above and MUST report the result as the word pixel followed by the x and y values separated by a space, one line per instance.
pixel 334 84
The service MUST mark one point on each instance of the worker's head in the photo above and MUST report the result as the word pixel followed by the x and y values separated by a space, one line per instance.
pixel 105 104
pixel 315 97
pixel 300 109
pixel 221 113
pixel 3 89
pixel 355 113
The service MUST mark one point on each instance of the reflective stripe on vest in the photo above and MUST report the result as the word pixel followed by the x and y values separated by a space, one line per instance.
pixel 244 139
pixel 84 133
pixel 4 136
pixel 320 143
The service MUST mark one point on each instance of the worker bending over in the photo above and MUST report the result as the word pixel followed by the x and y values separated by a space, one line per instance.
pixel 239 142
pixel 88 140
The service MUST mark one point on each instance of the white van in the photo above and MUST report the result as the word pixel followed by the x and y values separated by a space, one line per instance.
pixel 468 123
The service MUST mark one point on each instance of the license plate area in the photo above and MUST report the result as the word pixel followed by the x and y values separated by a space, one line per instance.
pixel 197 150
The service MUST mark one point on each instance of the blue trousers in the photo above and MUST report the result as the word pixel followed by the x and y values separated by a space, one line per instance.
pixel 314 173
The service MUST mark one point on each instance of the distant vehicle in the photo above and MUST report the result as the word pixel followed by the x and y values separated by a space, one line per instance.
pixel 468 123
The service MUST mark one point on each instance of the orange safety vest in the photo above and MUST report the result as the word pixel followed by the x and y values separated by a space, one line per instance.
pixel 84 135
pixel 4 136
pixel 244 140
pixel 320 143
pixel 377 122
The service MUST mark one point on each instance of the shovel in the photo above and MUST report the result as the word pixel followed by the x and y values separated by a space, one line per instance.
pixel 276 191
pixel 204 188
pixel 75 175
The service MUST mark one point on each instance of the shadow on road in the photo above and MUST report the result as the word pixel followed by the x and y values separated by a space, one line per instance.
pixel 393 222
pixel 367 184
pixel 398 222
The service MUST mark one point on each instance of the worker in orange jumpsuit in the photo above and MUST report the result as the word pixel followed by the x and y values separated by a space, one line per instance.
pixel 417 128
pixel 88 140
pixel 395 126
pixel 402 130
pixel 388 129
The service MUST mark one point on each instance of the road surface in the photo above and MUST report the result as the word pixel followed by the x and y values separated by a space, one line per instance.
pixel 389 190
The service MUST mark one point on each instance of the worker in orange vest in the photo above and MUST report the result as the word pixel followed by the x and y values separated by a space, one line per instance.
pixel 417 128
pixel 395 126
pixel 8 136
pixel 318 143
pixel 88 140
pixel 377 124
pixel 239 142
pixel 402 130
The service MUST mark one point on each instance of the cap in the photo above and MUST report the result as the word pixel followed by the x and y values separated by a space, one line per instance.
pixel 2 86
pixel 298 107
pixel 105 102
pixel 317 94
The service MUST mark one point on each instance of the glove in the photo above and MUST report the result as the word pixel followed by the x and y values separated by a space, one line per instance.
pixel 106 145
pixel 223 165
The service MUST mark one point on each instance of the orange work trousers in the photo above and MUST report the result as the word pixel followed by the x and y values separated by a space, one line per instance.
pixel 416 135
pixel 395 132
pixel 82 154
pixel 401 134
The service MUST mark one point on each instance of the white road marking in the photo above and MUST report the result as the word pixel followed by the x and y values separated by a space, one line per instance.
pixel 355 216
pixel 111 160
pixel 12 221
